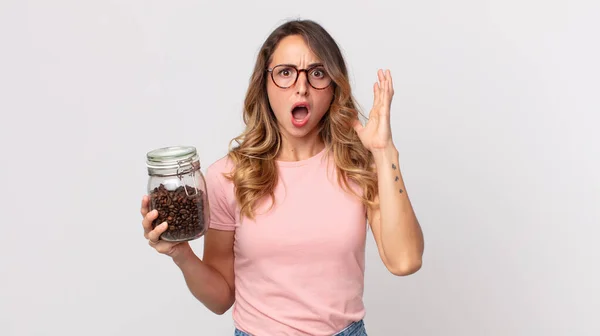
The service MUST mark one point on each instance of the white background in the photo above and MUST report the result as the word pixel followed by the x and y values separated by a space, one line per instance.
pixel 495 117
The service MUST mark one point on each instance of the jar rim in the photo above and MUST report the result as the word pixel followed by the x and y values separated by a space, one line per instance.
pixel 171 157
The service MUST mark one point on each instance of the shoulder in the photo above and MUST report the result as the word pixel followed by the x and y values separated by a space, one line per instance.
pixel 220 192
pixel 223 165
pixel 215 176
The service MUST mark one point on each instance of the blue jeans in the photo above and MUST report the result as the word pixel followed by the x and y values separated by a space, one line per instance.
pixel 355 329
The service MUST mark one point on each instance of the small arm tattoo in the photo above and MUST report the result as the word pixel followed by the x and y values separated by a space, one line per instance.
pixel 393 166
pixel 401 191
pixel 396 179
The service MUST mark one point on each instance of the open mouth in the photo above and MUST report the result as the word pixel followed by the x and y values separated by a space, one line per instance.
pixel 300 114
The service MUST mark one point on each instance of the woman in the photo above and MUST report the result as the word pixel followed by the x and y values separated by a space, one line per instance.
pixel 290 203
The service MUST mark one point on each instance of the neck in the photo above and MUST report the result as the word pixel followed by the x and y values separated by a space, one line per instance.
pixel 300 149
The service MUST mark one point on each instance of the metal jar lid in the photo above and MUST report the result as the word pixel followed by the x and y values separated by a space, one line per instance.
pixel 179 159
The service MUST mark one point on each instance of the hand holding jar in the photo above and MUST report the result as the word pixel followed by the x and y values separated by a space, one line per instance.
pixel 172 249
pixel 176 207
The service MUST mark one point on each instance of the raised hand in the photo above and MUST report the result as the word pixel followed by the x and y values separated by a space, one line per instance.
pixel 377 133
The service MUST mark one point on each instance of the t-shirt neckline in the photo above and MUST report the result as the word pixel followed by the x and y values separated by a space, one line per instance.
pixel 302 162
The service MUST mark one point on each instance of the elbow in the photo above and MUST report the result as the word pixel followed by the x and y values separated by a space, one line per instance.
pixel 405 268
pixel 221 309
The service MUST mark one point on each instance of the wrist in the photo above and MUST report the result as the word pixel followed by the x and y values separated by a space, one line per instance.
pixel 183 256
pixel 388 154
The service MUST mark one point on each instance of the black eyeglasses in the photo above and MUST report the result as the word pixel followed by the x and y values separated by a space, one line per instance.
pixel 286 75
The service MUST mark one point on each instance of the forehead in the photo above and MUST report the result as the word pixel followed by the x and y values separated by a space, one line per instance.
pixel 293 50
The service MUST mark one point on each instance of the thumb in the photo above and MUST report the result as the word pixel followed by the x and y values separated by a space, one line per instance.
pixel 358 127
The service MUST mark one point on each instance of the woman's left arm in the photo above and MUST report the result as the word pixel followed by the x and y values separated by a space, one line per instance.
pixel 394 224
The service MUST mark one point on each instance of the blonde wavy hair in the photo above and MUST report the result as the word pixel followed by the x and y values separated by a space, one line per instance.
pixel 255 171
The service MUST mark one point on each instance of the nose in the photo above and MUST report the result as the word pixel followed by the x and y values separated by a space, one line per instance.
pixel 302 83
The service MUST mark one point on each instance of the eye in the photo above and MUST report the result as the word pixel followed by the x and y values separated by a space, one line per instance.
pixel 318 73
pixel 285 72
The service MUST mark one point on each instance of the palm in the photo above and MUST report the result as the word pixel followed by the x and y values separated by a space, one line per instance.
pixel 377 133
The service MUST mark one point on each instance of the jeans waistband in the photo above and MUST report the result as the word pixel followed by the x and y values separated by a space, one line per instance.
pixel 354 329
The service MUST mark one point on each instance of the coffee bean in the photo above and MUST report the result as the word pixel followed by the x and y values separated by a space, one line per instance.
pixel 184 214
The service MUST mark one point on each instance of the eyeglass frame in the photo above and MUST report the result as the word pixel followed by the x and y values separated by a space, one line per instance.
pixel 298 71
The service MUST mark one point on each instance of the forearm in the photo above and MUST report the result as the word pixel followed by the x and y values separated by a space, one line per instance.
pixel 205 283
pixel 401 234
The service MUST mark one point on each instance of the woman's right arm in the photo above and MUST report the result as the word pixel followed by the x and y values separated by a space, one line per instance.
pixel 210 280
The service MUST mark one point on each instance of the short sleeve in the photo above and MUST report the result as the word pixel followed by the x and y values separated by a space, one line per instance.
pixel 221 214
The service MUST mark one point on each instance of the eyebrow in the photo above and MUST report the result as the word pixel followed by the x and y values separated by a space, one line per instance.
pixel 309 66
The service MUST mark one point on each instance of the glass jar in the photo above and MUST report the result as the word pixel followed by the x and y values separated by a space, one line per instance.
pixel 177 189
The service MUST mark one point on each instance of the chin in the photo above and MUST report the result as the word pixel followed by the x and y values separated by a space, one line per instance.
pixel 300 132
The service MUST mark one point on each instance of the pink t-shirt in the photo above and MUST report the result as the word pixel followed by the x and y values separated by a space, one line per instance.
pixel 299 268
